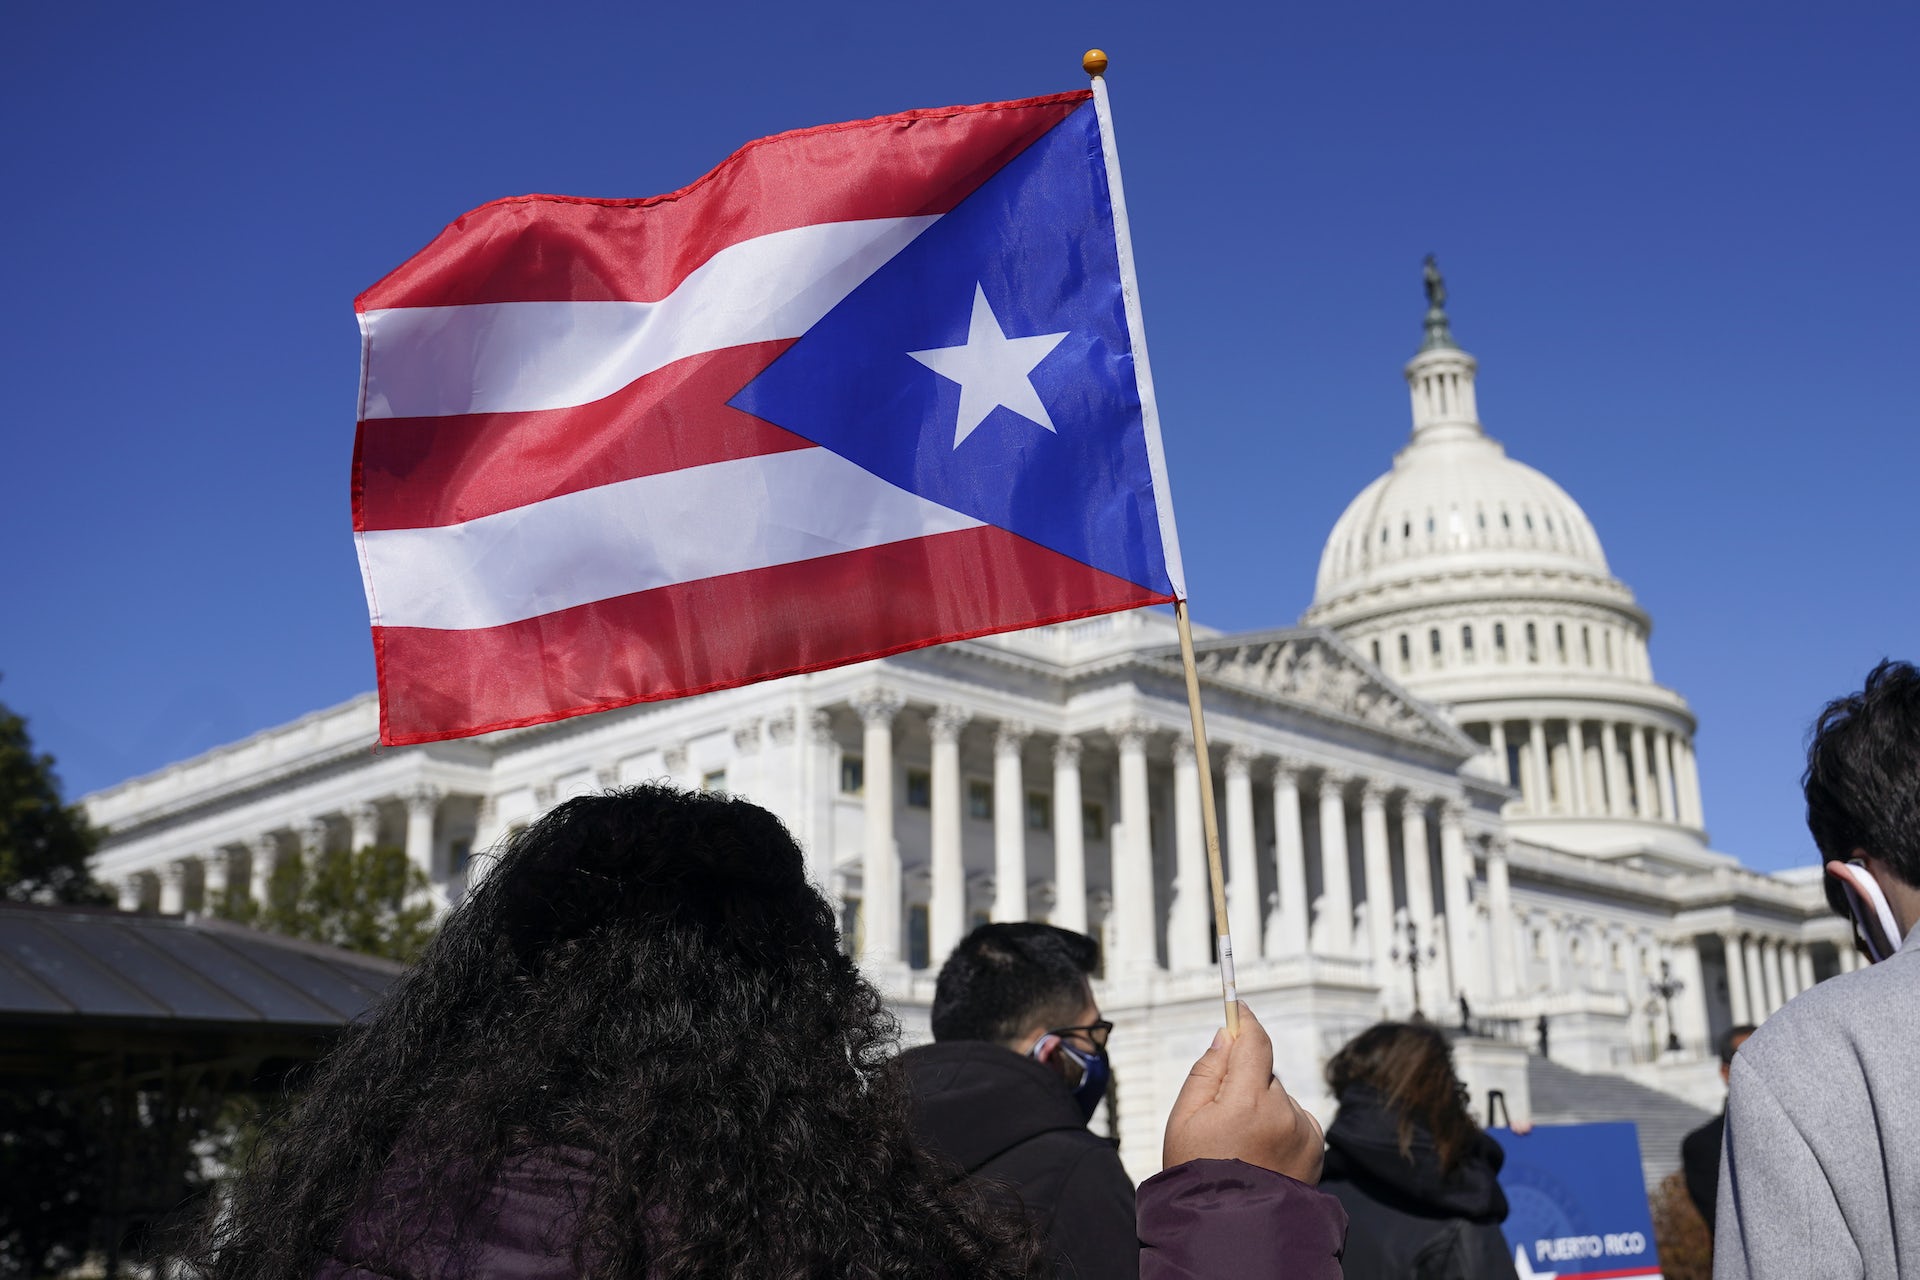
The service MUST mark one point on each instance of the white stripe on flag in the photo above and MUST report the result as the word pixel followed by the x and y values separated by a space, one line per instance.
pixel 510 357
pixel 655 531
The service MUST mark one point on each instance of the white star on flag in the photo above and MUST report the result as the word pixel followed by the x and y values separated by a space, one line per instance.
pixel 992 370
pixel 1525 1269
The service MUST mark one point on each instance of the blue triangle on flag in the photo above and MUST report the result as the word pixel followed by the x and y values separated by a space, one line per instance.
pixel 1037 241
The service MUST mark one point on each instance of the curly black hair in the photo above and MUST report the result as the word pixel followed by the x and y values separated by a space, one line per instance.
pixel 645 993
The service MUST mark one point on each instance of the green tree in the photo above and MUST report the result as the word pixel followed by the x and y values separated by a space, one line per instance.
pixel 44 844
pixel 371 900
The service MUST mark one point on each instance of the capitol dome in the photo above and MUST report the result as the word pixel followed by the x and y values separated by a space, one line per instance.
pixel 1480 585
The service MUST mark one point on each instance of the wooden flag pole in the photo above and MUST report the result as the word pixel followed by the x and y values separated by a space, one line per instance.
pixel 1209 822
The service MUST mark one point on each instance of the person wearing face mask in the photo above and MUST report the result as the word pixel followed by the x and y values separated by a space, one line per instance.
pixel 1017 1068
pixel 1820 1175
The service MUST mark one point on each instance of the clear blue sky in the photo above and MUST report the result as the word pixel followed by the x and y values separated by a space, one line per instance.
pixel 1680 238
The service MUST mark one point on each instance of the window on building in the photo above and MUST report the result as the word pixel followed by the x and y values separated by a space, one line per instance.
pixel 919 937
pixel 1513 764
pixel 1093 821
pixel 919 789
pixel 1466 642
pixel 714 780
pixel 1429 526
pixel 1039 811
pixel 1506 521
pixel 1500 640
pixel 1481 518
pixel 1560 641
pixel 1528 517
pixel 976 918
pixel 459 854
pixel 1539 944
pixel 1406 652
pixel 979 798
pixel 853 775
pixel 1606 643
pixel 1619 958
pixel 1586 645
pixel 1533 644
pixel 1406 528
pixel 1433 644
pixel 1376 653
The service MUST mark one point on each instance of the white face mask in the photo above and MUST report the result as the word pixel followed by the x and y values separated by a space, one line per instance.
pixel 1873 918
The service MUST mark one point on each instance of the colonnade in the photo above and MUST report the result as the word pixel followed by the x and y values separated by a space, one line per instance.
pixel 1764 971
pixel 244 869
pixel 1273 868
pixel 1582 768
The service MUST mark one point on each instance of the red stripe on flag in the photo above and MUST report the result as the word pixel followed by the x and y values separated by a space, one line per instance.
pixel 560 248
pixel 416 473
pixel 721 632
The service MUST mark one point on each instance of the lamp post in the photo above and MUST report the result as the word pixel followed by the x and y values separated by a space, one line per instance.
pixel 1667 988
pixel 1413 955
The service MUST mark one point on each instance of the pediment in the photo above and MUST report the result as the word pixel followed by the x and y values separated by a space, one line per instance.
pixel 1313 669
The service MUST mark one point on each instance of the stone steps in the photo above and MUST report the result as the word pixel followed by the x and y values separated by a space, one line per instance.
pixel 1562 1095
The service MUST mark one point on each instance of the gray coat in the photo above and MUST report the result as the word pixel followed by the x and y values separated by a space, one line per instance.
pixel 1821 1172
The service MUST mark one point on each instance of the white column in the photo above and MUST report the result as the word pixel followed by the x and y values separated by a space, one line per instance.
pixel 1376 863
pixel 1770 975
pixel 363 820
pixel 1069 842
pixel 947 904
pixel 1642 780
pixel 1497 743
pixel 1756 981
pixel 1456 869
pixel 1663 774
pixel 879 854
pixel 1133 910
pixel 1500 920
pixel 216 887
pixel 173 887
pixel 1577 767
pixel 1690 1006
pixel 1542 776
pixel 263 854
pixel 1243 862
pixel 130 893
pixel 821 763
pixel 1741 1010
pixel 1413 847
pixel 1009 824
pixel 423 803
pixel 1188 927
pixel 1333 931
pixel 1690 768
pixel 1803 955
pixel 1610 764
pixel 1289 936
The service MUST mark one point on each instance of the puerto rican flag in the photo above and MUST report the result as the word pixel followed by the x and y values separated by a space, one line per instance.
pixel 860 389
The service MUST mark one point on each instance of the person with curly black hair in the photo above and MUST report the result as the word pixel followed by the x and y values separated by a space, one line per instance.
pixel 635 1050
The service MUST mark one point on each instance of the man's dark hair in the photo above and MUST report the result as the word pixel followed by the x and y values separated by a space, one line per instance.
pixel 1730 1040
pixel 1004 978
pixel 1863 775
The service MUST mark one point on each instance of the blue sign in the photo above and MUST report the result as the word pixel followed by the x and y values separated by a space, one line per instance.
pixel 1577 1203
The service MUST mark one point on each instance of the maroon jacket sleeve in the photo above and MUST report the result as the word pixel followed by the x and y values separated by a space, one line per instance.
pixel 1225 1220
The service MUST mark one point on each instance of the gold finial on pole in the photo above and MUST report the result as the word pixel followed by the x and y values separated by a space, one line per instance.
pixel 1094 62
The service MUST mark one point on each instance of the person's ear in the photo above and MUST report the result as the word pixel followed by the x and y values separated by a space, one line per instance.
pixel 1045 1049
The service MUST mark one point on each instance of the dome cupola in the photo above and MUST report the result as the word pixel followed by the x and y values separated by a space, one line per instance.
pixel 1479 584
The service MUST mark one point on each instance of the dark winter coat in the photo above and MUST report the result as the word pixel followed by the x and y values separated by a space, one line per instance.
pixel 1410 1221
pixel 1012 1123
pixel 1224 1220
pixel 1700 1158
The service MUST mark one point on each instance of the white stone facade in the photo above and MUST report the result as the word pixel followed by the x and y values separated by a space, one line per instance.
pixel 1462 760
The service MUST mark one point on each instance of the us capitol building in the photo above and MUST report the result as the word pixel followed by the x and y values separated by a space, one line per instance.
pixel 1455 787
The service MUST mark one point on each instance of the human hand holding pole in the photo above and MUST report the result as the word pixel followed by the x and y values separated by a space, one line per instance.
pixel 1233 1108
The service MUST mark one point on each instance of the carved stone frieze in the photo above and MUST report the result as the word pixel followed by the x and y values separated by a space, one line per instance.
pixel 1308 668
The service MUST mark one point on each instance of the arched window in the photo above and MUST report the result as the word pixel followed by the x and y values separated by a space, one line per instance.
pixel 1533 644
pixel 1560 641
pixel 1433 646
pixel 1500 640
pixel 1466 642
pixel 1406 652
